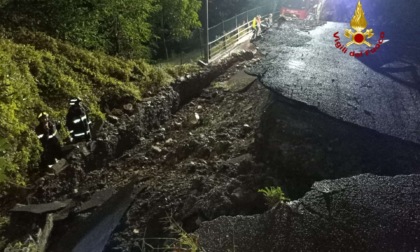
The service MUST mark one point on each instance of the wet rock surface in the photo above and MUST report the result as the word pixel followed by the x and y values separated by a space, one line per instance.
pixel 197 152
pixel 194 165
pixel 299 145
pixel 193 171
pixel 92 233
pixel 40 208
pixel 361 213
pixel 379 91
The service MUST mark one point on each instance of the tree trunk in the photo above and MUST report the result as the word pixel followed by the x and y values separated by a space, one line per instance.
pixel 162 23
pixel 166 48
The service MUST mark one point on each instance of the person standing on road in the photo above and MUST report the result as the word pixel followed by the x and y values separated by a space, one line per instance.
pixel 258 26
pixel 254 28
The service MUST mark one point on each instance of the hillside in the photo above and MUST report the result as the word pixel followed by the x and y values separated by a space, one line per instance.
pixel 40 73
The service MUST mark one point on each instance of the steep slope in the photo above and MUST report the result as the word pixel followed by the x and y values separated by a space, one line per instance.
pixel 39 73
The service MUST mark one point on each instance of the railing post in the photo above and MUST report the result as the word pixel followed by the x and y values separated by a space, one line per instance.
pixel 223 27
pixel 206 32
pixel 224 40
pixel 237 29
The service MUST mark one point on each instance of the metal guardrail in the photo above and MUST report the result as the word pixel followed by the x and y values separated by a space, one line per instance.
pixel 231 39
pixel 227 34
pixel 233 23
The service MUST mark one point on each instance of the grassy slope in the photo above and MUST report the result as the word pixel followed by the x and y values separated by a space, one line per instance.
pixel 39 73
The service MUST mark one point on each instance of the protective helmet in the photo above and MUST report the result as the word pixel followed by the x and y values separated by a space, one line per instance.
pixel 42 115
pixel 74 101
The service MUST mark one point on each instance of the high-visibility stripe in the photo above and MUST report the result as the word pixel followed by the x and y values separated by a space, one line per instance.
pixel 84 117
pixel 49 166
pixel 40 136
pixel 71 103
pixel 73 100
pixel 76 121
pixel 79 134
pixel 53 135
pixel 42 114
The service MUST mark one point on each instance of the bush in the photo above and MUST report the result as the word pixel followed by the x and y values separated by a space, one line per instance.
pixel 273 195
pixel 40 73
pixel 186 241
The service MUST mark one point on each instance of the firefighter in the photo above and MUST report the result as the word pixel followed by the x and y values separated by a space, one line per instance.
pixel 259 26
pixel 254 28
pixel 47 134
pixel 78 122
pixel 270 20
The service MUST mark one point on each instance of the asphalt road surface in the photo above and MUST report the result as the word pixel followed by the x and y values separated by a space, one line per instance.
pixel 380 91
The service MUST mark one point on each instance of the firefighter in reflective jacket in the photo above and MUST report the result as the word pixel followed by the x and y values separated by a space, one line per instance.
pixel 254 27
pixel 78 122
pixel 47 134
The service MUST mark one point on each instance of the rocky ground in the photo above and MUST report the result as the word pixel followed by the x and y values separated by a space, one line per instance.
pixel 196 153
pixel 361 213
pixel 195 167
pixel 191 166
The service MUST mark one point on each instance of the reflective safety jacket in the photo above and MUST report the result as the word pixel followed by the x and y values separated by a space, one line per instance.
pixel 254 23
pixel 47 134
pixel 78 123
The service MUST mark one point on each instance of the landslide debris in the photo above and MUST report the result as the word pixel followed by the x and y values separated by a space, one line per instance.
pixel 39 73
pixel 361 213
pixel 194 163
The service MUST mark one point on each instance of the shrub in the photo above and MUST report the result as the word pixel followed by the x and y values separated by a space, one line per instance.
pixel 39 73
pixel 186 241
pixel 273 195
pixel 28 246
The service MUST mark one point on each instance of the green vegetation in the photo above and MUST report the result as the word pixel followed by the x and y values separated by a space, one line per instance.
pixel 185 242
pixel 4 160
pixel 42 64
pixel 175 20
pixel 28 246
pixel 128 28
pixel 273 195
pixel 4 223
pixel 39 73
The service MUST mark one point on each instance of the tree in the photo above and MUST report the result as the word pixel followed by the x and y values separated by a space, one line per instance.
pixel 77 21
pixel 175 20
pixel 118 27
pixel 127 27
pixel 4 162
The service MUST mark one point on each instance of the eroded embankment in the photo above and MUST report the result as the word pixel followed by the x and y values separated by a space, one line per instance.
pixel 209 157
pixel 360 209
pixel 361 213
pixel 192 162
pixel 301 145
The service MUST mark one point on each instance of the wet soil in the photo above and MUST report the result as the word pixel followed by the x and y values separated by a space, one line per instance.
pixel 196 166
pixel 209 158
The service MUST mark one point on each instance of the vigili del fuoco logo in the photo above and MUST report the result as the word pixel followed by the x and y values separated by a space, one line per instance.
pixel 358 36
